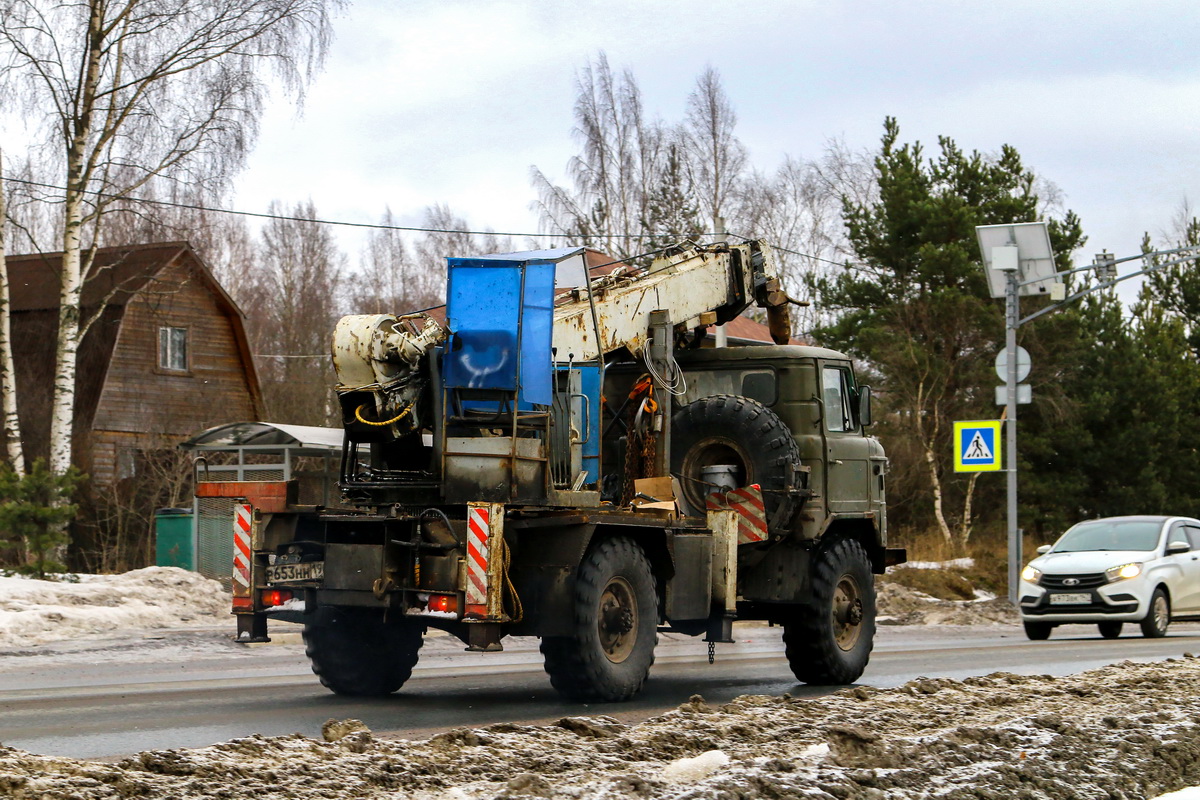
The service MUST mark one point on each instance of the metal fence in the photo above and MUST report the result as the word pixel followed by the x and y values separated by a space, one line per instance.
pixel 214 526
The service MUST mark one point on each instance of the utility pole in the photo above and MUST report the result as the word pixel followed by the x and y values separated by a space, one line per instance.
pixel 1012 306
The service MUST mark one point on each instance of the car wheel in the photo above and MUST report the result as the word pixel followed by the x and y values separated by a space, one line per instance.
pixel 1154 626
pixel 1110 630
pixel 1038 631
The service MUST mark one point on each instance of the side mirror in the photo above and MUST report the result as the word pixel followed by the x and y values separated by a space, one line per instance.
pixel 1041 551
pixel 1177 547
pixel 864 405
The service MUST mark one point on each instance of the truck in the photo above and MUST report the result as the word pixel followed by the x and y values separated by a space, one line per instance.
pixel 566 457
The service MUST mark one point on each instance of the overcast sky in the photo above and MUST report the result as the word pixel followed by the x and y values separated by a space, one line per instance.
pixel 452 101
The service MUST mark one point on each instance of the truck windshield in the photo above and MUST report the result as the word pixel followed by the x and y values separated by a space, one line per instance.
pixel 1110 535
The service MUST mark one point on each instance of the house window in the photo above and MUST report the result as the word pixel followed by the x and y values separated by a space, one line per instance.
pixel 173 349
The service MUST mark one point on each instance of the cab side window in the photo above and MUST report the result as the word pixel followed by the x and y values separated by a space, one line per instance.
pixel 1178 534
pixel 836 392
pixel 1193 534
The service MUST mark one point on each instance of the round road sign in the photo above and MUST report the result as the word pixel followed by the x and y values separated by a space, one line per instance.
pixel 1023 364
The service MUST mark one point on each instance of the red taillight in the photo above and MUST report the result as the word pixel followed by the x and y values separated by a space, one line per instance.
pixel 447 603
pixel 275 597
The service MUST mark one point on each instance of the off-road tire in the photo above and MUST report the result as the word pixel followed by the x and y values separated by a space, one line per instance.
pixel 1038 631
pixel 1110 630
pixel 830 643
pixel 355 652
pixel 1158 617
pixel 616 626
pixel 729 429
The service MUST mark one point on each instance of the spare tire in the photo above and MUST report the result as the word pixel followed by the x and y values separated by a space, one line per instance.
pixel 734 430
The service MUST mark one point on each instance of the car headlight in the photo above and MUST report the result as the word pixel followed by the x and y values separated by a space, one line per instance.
pixel 1122 572
pixel 1031 574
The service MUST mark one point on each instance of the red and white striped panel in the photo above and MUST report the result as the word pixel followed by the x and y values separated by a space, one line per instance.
pixel 751 511
pixel 478 531
pixel 242 520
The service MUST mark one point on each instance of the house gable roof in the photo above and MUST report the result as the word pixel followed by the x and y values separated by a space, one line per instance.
pixel 117 275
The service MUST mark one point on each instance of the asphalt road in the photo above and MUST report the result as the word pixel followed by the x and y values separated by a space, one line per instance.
pixel 189 689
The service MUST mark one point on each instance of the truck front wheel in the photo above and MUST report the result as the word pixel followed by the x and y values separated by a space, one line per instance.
pixel 356 652
pixel 830 642
pixel 615 620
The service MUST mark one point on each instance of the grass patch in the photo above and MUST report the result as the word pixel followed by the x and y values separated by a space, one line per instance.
pixel 944 584
pixel 988 549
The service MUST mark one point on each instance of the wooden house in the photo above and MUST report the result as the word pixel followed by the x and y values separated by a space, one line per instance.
pixel 167 355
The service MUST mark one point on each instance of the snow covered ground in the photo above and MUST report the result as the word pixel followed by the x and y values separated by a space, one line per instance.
pixel 35 612
pixel 1125 731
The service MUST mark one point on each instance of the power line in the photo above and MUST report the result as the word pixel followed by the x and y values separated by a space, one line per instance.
pixel 282 355
pixel 370 225
pixel 805 255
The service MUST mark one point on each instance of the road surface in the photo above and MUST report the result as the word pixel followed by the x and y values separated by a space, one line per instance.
pixel 104 699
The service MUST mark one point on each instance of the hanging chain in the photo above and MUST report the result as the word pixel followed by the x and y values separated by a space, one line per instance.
pixel 712 652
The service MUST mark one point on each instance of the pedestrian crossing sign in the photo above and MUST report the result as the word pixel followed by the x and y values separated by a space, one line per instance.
pixel 977 446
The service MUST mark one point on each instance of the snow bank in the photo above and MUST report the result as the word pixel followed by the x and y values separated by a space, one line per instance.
pixel 1124 731
pixel 954 563
pixel 33 611
pixel 901 605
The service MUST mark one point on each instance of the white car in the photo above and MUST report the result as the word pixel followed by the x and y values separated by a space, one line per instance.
pixel 1112 571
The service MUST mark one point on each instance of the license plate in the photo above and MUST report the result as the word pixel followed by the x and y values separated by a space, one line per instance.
pixel 294 573
pixel 1070 599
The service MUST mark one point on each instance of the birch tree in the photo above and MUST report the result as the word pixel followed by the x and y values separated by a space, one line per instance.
pixel 718 157
pixel 127 92
pixel 446 237
pixel 301 270
pixel 8 371
pixel 618 165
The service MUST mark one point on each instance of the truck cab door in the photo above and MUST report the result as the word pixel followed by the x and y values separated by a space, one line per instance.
pixel 848 454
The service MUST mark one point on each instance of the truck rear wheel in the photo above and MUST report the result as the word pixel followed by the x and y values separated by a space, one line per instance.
pixel 615 620
pixel 830 643
pixel 356 652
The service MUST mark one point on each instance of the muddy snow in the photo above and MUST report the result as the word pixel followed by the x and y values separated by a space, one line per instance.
pixel 900 605
pixel 1125 731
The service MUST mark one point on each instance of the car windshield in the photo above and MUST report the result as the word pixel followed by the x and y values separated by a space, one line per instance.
pixel 1107 534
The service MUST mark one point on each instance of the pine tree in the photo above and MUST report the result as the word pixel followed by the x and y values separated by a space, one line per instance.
pixel 34 511
pixel 916 310
pixel 671 214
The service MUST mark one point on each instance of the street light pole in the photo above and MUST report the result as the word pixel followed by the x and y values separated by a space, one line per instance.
pixel 1012 320
pixel 1018 259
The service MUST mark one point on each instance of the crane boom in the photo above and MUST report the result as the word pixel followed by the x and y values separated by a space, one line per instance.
pixel 716 282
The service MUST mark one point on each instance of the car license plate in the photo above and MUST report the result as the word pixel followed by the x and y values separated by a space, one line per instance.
pixel 294 573
pixel 1070 599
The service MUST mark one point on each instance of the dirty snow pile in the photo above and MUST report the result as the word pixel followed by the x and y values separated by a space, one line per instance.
pixel 34 611
pixel 1123 731
pixel 900 605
